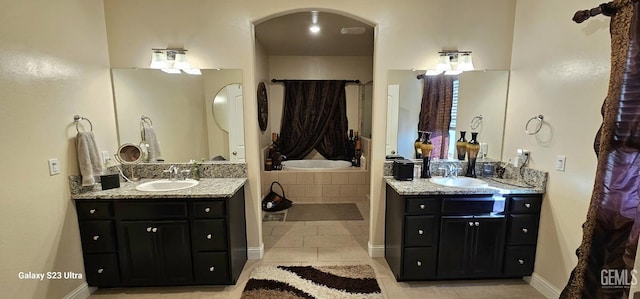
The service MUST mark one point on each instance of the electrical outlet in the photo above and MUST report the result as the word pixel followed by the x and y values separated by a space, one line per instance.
pixel 54 166
pixel 105 157
pixel 561 162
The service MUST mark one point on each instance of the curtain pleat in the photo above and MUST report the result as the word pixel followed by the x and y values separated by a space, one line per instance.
pixel 314 116
pixel 435 111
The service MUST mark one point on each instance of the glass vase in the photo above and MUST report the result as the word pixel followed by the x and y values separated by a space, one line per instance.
pixel 473 147
pixel 461 146
pixel 417 146
pixel 426 147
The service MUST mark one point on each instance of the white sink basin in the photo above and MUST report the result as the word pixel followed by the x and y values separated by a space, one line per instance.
pixel 166 185
pixel 460 182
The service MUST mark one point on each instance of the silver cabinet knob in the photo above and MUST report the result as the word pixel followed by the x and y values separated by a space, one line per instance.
pixel 92 211
pixel 235 153
pixel 100 271
pixel 207 210
pixel 420 232
pixel 525 230
pixel 476 223
pixel 527 205
pixel 521 261
pixel 422 207
pixel 149 229
pixel 209 236
pixel 95 238
pixel 155 229
pixel 212 268
pixel 470 223
pixel 419 263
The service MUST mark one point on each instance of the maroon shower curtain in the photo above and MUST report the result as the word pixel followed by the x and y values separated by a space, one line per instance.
pixel 314 116
pixel 435 111
pixel 610 235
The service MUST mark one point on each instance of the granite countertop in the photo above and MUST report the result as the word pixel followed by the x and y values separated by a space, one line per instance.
pixel 496 186
pixel 206 188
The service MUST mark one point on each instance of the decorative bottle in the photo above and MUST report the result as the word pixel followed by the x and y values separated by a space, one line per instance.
pixel 461 146
pixel 426 148
pixel 473 147
pixel 417 146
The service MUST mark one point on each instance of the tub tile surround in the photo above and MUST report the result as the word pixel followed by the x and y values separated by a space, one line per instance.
pixel 155 171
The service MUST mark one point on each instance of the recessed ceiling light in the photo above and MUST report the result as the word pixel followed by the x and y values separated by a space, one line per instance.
pixel 314 28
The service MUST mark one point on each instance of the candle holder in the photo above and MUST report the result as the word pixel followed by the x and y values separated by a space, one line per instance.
pixel 473 147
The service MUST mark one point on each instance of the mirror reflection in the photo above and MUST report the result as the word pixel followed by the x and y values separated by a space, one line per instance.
pixel 181 107
pixel 480 99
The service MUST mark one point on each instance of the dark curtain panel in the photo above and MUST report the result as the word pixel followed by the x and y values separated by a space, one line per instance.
pixel 314 116
pixel 435 111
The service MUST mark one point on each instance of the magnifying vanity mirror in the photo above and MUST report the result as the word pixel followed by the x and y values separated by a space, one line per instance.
pixel 182 109
pixel 129 153
pixel 481 105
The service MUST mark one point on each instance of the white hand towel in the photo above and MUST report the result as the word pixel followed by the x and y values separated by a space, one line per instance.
pixel 88 158
pixel 153 146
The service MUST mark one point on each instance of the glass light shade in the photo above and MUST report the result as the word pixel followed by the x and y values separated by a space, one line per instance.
pixel 465 63
pixel 192 71
pixel 444 63
pixel 181 62
pixel 158 60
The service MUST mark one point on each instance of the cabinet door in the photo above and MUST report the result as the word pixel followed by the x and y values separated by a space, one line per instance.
pixel 485 259
pixel 453 251
pixel 174 259
pixel 138 252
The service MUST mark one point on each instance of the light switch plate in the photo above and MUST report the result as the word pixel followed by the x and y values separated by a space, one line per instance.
pixel 54 166
pixel 561 162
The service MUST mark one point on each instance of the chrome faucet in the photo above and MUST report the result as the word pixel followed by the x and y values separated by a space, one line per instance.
pixel 450 170
pixel 173 172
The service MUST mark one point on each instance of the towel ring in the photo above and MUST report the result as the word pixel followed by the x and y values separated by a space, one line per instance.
pixel 475 122
pixel 78 118
pixel 540 120
pixel 144 120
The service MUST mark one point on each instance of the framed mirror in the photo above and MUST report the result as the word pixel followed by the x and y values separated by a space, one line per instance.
pixel 181 108
pixel 263 107
pixel 479 93
pixel 129 153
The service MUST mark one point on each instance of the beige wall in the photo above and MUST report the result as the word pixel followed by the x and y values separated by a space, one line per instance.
pixel 559 69
pixel 53 64
pixel 214 82
pixel 319 68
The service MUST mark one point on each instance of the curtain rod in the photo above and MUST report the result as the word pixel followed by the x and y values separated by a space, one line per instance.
pixel 283 80
pixel 606 9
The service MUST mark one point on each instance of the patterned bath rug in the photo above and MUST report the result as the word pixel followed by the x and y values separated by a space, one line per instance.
pixel 312 282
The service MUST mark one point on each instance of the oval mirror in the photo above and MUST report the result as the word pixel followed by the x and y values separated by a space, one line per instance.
pixel 129 153
pixel 221 110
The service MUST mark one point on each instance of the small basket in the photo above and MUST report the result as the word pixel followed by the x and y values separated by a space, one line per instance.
pixel 274 202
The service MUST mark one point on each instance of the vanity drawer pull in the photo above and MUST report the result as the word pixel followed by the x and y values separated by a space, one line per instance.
pixel 470 223
pixel 207 210
pixel 92 211
pixel 422 207
pixel 212 268
pixel 527 205
pixel 419 263
pixel 525 230
pixel 100 271
pixel 155 229
pixel 149 229
pixel 95 238
pixel 521 261
pixel 209 236
pixel 476 223
pixel 420 232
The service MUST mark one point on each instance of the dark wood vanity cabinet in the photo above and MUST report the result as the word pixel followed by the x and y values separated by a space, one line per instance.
pixel 163 241
pixel 457 236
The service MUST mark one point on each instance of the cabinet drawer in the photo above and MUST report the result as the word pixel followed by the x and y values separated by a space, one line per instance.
pixel 94 210
pixel 151 210
pixel 97 236
pixel 211 267
pixel 102 270
pixel 525 204
pixel 419 230
pixel 422 205
pixel 523 229
pixel 209 209
pixel 419 263
pixel 210 234
pixel 519 260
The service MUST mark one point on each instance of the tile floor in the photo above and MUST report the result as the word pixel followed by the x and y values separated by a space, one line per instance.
pixel 332 243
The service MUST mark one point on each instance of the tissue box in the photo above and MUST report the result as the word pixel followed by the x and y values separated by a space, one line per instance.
pixel 110 181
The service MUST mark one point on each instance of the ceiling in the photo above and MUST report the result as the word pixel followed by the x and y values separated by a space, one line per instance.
pixel 289 35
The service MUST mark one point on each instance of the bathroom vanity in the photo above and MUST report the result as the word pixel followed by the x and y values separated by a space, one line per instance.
pixel 434 232
pixel 194 236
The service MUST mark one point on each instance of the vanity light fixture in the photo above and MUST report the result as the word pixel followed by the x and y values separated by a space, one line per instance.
pixel 448 59
pixel 172 61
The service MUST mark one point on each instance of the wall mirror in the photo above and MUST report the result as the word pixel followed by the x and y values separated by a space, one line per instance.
pixel 480 93
pixel 181 107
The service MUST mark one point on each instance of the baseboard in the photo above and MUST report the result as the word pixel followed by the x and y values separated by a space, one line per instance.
pixel 255 253
pixel 375 250
pixel 83 291
pixel 542 285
